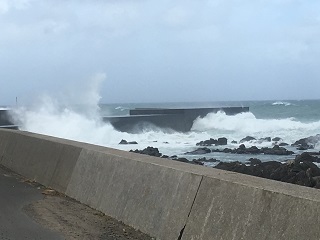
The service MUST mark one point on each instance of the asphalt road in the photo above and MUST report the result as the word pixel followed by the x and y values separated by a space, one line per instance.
pixel 30 211
pixel 14 222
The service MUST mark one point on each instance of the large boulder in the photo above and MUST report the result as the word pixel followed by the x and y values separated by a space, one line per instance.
pixel 304 173
pixel 126 142
pixel 247 139
pixel 208 142
pixel 307 143
pixel 222 141
pixel 276 150
pixel 211 142
pixel 151 151
pixel 199 151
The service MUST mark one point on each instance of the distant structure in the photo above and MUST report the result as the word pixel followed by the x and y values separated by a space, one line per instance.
pixel 180 120
pixel 5 119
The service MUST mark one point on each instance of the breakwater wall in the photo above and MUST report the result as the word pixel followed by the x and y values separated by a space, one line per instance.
pixel 163 198
pixel 180 119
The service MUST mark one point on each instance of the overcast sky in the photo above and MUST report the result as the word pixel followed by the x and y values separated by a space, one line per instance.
pixel 161 51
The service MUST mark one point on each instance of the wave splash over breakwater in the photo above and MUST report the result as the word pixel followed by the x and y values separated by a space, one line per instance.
pixel 81 120
pixel 244 124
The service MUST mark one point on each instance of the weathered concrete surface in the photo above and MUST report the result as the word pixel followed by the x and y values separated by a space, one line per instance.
pixel 44 160
pixel 147 196
pixel 26 213
pixel 160 196
pixel 236 206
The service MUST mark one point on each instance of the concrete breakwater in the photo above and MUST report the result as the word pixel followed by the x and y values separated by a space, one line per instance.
pixel 180 119
pixel 164 198
pixel 5 120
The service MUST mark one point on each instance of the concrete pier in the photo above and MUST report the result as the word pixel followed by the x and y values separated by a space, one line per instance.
pixel 180 120
pixel 163 198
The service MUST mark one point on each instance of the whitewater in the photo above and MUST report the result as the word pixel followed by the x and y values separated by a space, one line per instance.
pixel 288 120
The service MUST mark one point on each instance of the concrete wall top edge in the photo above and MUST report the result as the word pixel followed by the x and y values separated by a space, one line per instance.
pixel 236 178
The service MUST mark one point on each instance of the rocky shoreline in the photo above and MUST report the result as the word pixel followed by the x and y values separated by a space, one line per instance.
pixel 301 170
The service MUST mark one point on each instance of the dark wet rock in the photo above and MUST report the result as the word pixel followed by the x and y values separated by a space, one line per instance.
pixel 301 171
pixel 307 143
pixel 151 151
pixel 283 144
pixel 208 142
pixel 123 142
pixel 211 142
pixel 266 139
pixel 222 141
pixel 276 150
pixel 197 161
pixel 247 139
pixel 306 157
pixel 253 150
pixel 165 156
pixel 126 142
pixel 255 161
pixel 276 139
pixel 182 160
pixel 199 151
pixel 240 168
pixel 207 160
pixel 314 153
pixel 234 142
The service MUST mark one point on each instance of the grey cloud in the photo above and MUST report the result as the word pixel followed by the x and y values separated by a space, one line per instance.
pixel 162 51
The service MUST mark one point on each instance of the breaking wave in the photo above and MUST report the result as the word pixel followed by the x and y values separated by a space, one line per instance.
pixel 245 124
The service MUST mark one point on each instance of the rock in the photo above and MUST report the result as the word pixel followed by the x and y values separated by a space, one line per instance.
pixel 198 162
pixel 209 142
pixel 283 144
pixel 276 139
pixel 266 139
pixel 247 139
pixel 125 142
pixel 307 143
pixel 276 150
pixel 253 150
pixel 210 160
pixel 240 168
pixel 234 142
pixel 222 141
pixel 305 157
pixel 316 182
pixel 255 161
pixel 182 160
pixel 199 151
pixel 207 160
pixel 151 151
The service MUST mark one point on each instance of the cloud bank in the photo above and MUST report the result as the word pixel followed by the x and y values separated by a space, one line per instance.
pixel 155 51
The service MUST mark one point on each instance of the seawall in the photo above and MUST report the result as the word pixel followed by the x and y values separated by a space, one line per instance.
pixel 164 198
pixel 180 119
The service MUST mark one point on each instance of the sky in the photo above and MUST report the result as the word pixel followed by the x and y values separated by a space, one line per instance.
pixel 160 51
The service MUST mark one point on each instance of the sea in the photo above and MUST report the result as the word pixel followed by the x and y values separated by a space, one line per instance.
pixel 289 120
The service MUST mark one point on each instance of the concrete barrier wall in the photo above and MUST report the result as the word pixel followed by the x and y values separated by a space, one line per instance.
pixel 164 198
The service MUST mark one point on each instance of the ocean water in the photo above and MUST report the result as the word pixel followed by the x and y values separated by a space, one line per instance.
pixel 290 120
